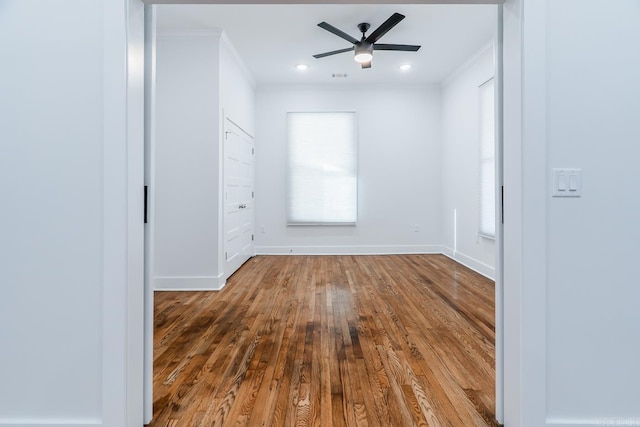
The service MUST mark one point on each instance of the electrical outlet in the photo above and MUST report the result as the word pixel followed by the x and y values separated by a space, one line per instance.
pixel 416 228
pixel 262 229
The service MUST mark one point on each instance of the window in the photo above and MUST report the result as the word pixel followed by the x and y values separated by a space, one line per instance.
pixel 487 161
pixel 321 168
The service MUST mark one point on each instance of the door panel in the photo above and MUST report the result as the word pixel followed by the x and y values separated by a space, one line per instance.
pixel 238 197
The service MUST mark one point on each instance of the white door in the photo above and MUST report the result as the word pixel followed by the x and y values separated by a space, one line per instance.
pixel 238 197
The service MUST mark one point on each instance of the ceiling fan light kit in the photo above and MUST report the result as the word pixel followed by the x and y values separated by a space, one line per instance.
pixel 363 48
pixel 363 53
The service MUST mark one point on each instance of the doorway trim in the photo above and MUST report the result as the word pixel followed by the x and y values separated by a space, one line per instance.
pixel 509 378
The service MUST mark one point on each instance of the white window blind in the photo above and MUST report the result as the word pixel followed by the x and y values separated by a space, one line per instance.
pixel 321 168
pixel 487 160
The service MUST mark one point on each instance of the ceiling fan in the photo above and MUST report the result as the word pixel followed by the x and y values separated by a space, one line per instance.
pixel 364 47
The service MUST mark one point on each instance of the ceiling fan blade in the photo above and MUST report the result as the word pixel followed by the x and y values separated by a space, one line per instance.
pixel 333 52
pixel 384 27
pixel 366 64
pixel 338 32
pixel 403 47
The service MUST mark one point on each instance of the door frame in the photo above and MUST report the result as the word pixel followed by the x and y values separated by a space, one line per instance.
pixel 149 182
pixel 230 127
pixel 509 251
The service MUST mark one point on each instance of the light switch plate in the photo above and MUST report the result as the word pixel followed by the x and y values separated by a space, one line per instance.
pixel 566 182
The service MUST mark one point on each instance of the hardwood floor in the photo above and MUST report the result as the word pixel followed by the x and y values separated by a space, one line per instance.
pixel 394 340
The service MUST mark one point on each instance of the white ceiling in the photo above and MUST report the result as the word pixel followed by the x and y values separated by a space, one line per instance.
pixel 273 39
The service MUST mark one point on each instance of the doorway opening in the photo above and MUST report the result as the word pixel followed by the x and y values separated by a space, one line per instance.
pixel 498 262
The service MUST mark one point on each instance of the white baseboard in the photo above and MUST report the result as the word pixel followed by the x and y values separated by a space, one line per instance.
pixel 472 263
pixel 478 266
pixel 216 283
pixel 189 283
pixel 49 423
pixel 588 422
pixel 348 250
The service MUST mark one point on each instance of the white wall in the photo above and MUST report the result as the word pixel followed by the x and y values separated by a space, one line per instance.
pixel 237 97
pixel 572 326
pixel 460 164
pixel 198 79
pixel 40 303
pixel 186 161
pixel 237 87
pixel 399 173
pixel 593 110
pixel 52 241
pixel 68 87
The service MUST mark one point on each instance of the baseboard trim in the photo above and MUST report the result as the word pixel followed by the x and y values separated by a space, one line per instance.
pixel 587 422
pixel 470 262
pixel 349 250
pixel 49 423
pixel 216 283
pixel 189 283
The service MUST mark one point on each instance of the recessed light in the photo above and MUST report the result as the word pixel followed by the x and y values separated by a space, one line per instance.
pixel 302 67
pixel 405 67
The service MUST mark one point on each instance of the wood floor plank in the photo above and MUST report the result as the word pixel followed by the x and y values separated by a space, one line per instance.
pixel 329 341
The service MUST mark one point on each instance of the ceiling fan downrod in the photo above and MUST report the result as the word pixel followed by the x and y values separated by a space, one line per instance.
pixel 364 27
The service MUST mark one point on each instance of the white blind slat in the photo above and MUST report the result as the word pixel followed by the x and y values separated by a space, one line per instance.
pixel 321 168
pixel 487 160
